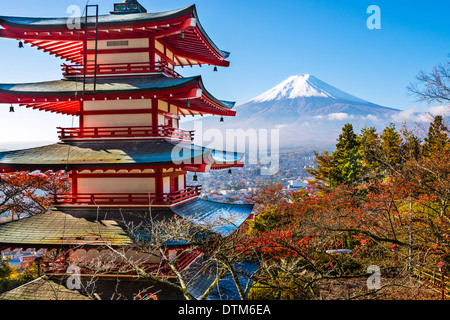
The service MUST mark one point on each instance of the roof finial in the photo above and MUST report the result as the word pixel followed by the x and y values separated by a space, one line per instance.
pixel 128 6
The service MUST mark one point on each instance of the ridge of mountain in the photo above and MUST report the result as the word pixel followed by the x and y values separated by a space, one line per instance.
pixel 305 110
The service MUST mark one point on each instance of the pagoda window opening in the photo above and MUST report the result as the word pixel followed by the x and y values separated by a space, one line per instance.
pixel 117 43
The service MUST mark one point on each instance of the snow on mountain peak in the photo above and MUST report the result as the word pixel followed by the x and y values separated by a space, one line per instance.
pixel 302 86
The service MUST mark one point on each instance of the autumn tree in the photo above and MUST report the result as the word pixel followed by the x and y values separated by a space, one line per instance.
pixel 397 223
pixel 26 194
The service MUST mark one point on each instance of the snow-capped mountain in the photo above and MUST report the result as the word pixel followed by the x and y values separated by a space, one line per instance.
pixel 302 86
pixel 306 110
pixel 303 96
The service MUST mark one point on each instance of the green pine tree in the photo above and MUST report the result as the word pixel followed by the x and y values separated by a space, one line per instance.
pixel 322 172
pixel 438 137
pixel 347 165
pixel 390 148
pixel 369 146
pixel 411 145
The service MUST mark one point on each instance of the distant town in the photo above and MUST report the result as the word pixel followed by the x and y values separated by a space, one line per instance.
pixel 237 186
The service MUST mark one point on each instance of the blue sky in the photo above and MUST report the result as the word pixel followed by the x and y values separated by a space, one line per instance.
pixel 269 41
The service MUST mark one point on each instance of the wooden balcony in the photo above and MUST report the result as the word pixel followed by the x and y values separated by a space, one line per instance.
pixel 119 69
pixel 127 199
pixel 122 269
pixel 121 133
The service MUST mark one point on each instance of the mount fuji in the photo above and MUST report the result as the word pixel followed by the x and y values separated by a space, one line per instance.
pixel 303 97
pixel 306 111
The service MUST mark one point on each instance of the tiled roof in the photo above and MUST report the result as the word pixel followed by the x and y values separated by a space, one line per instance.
pixel 111 20
pixel 109 86
pixel 56 228
pixel 43 289
pixel 102 85
pixel 62 156
pixel 92 228
pixel 224 218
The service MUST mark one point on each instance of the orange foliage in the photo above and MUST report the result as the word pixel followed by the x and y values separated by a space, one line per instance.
pixel 24 193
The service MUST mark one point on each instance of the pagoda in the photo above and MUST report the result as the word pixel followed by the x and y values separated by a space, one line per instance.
pixel 128 159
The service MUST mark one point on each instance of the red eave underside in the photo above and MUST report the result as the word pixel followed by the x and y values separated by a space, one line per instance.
pixel 115 167
pixel 70 105
pixel 68 44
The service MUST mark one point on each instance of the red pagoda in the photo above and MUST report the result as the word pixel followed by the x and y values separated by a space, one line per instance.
pixel 128 156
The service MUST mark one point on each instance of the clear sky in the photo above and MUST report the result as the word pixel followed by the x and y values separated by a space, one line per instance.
pixel 269 41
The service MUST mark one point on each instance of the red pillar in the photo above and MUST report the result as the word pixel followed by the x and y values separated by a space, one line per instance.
pixel 159 184
pixel 155 116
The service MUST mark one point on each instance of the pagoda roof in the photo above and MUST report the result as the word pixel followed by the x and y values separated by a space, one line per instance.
pixel 230 216
pixel 49 287
pixel 44 289
pixel 63 96
pixel 103 20
pixel 50 33
pixel 56 228
pixel 113 154
pixel 97 228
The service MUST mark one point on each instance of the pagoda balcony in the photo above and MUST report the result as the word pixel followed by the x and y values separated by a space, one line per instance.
pixel 127 199
pixel 120 69
pixel 109 133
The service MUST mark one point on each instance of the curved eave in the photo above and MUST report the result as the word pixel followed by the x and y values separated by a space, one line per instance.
pixel 191 41
pixel 64 96
pixel 115 155
pixel 220 218
pixel 53 35
pixel 116 20
pixel 56 228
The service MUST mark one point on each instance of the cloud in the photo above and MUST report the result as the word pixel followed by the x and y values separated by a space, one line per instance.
pixel 370 117
pixel 440 110
pixel 405 115
pixel 338 116
pixel 425 116
pixel 341 116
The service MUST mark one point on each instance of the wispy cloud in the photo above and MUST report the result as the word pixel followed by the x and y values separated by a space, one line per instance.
pixel 413 115
pixel 340 116
pixel 405 115
pixel 370 117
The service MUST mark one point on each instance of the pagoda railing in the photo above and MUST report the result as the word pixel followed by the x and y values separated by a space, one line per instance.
pixel 108 69
pixel 122 199
pixel 124 132
pixel 59 265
